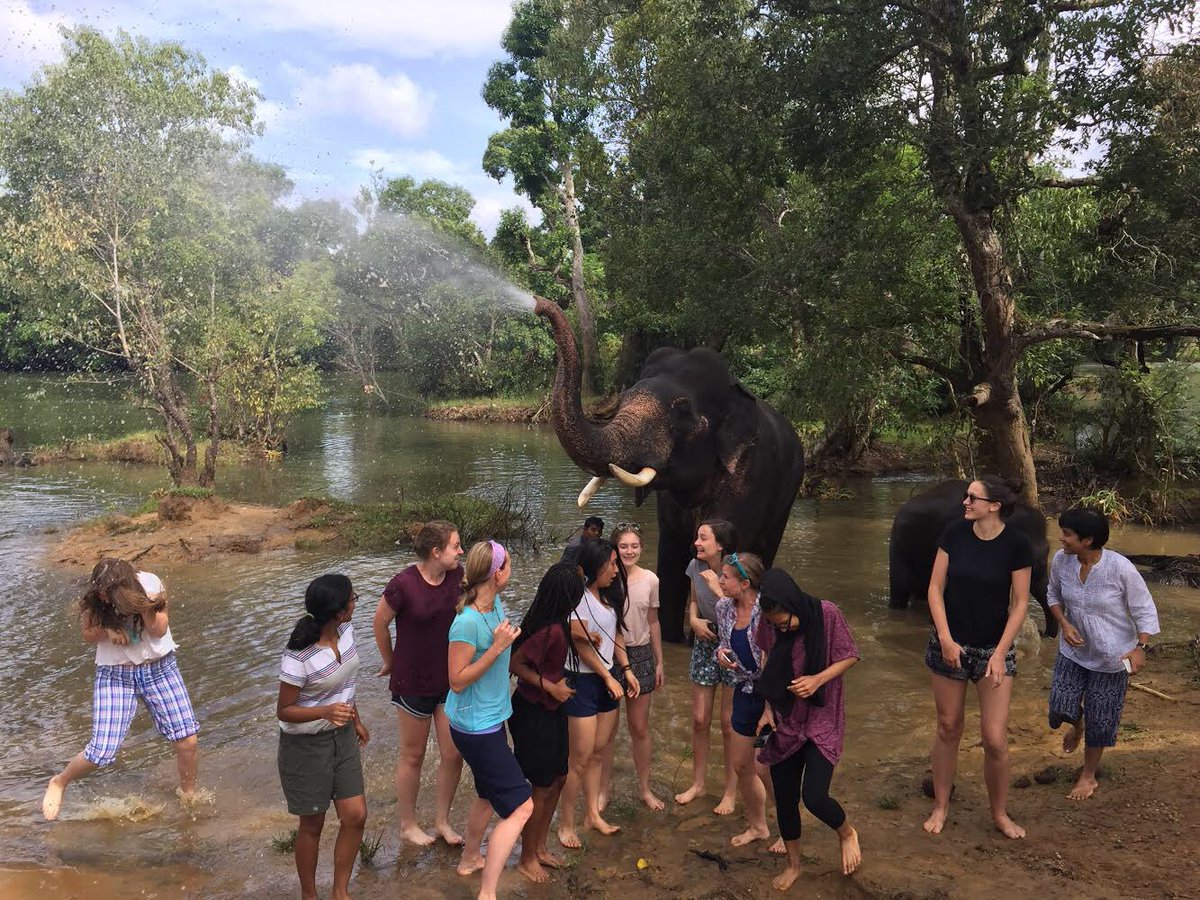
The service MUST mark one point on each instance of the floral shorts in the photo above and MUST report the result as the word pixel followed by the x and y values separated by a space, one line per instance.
pixel 974 661
pixel 704 670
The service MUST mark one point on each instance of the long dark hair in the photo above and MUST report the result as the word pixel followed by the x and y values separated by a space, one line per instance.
pixel 779 592
pixel 324 600
pixel 1002 490
pixel 594 556
pixel 557 595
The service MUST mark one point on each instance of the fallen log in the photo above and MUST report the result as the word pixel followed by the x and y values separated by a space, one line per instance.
pixel 1166 569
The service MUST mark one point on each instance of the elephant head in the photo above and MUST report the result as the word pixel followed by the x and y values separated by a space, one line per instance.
pixel 685 418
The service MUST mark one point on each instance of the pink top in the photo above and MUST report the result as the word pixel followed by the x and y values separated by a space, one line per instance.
pixel 824 725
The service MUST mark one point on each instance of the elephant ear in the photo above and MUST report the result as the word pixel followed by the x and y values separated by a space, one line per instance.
pixel 738 429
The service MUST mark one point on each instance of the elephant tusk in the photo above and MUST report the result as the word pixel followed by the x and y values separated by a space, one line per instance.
pixel 641 479
pixel 590 491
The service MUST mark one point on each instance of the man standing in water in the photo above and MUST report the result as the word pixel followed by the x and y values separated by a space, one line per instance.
pixel 1107 617
pixel 593 527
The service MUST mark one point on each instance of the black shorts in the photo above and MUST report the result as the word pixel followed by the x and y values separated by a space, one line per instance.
pixel 498 778
pixel 317 768
pixel 591 696
pixel 420 707
pixel 540 740
pixel 974 661
pixel 747 710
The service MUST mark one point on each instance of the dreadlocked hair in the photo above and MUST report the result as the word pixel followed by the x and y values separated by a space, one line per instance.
pixel 115 599
pixel 557 596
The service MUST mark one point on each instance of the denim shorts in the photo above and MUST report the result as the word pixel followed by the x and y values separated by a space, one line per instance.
pixel 974 661
pixel 747 710
pixel 591 696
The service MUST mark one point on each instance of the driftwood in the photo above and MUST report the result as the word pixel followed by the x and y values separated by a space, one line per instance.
pixel 1179 570
pixel 1152 692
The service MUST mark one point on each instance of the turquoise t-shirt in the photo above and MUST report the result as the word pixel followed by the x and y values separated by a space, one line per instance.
pixel 485 704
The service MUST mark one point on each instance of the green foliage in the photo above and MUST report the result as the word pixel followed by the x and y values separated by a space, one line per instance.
pixel 369 848
pixel 285 843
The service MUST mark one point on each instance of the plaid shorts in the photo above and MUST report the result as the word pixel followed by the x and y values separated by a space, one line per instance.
pixel 114 701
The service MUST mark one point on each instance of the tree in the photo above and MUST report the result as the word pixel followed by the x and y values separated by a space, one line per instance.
pixel 546 89
pixel 125 219
pixel 985 92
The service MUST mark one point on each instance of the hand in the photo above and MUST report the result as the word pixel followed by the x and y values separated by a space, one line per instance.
pixel 504 635
pixel 659 676
pixel 634 686
pixel 385 669
pixel 338 714
pixel 767 718
pixel 361 730
pixel 1137 659
pixel 952 653
pixel 806 685
pixel 595 637
pixel 714 584
pixel 559 691
pixel 995 669
pixel 117 636
pixel 702 629
pixel 613 688
pixel 725 659
pixel 1071 635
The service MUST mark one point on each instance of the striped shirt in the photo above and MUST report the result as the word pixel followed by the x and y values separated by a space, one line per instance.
pixel 321 678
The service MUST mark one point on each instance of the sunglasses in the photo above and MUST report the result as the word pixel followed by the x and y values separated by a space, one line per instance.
pixel 970 498
pixel 737 564
pixel 629 526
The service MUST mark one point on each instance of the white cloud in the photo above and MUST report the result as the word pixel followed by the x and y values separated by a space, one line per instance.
pixel 28 40
pixel 362 92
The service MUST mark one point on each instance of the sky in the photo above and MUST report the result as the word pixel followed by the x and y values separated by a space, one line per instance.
pixel 349 88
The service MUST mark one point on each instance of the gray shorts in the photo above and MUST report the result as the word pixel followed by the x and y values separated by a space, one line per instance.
pixel 317 768
pixel 974 661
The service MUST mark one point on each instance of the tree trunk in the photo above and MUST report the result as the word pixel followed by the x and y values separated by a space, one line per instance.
pixel 583 307
pixel 996 402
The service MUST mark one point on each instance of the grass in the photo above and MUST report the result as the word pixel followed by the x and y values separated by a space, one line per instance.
pixel 284 843
pixel 887 801
pixel 515 408
pixel 369 847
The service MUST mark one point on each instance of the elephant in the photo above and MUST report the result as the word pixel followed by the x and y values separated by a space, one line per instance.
pixel 920 521
pixel 690 433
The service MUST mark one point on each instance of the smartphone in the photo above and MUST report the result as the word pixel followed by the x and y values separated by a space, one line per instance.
pixel 1128 665
pixel 763 736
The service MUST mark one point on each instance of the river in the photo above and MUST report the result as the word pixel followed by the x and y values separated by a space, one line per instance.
pixel 122 831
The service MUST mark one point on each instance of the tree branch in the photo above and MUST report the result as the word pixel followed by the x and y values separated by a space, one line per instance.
pixel 1084 5
pixel 1065 329
pixel 1082 181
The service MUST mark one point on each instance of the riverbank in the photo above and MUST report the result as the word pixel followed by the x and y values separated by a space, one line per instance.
pixel 175 527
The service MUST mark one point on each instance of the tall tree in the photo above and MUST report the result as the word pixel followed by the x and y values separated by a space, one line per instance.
pixel 547 90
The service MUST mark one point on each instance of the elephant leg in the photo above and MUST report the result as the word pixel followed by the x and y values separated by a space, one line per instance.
pixel 900 589
pixel 676 534
pixel 1051 623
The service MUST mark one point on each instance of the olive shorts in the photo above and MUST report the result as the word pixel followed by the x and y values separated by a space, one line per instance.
pixel 317 768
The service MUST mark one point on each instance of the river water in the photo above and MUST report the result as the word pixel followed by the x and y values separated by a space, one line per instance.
pixel 122 832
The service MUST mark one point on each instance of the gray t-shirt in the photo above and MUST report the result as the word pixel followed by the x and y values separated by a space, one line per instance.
pixel 706 600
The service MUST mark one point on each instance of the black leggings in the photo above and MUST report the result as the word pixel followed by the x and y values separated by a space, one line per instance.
pixel 807 767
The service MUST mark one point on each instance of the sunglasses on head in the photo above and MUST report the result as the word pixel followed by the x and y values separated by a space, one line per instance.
pixel 629 526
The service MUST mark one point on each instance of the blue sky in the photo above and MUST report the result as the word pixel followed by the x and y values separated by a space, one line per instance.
pixel 348 87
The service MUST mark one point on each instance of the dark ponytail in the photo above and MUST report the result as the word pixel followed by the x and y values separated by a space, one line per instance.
pixel 1005 491
pixel 327 596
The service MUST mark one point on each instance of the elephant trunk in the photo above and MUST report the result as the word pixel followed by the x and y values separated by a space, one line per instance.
pixel 588 444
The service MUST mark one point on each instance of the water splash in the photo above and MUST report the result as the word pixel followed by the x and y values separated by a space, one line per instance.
pixel 119 809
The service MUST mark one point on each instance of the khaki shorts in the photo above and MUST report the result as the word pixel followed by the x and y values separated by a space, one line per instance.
pixel 317 768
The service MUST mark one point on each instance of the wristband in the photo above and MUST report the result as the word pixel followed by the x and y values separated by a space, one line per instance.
pixel 626 668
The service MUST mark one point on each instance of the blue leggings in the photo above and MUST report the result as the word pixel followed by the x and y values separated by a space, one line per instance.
pixel 806 775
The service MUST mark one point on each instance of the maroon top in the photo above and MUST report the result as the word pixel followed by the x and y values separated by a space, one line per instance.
pixel 423 616
pixel 824 725
pixel 546 652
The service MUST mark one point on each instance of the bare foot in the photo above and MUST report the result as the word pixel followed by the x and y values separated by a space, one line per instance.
pixel 469 866
pixel 851 852
pixel 778 847
pixel 533 871
pixel 549 860
pixel 596 823
pixel 749 836
pixel 937 819
pixel 52 800
pixel 786 878
pixel 414 835
pixel 1071 738
pixel 689 795
pixel 449 835
pixel 653 802
pixel 1008 827
pixel 1084 788
pixel 727 805
pixel 569 838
